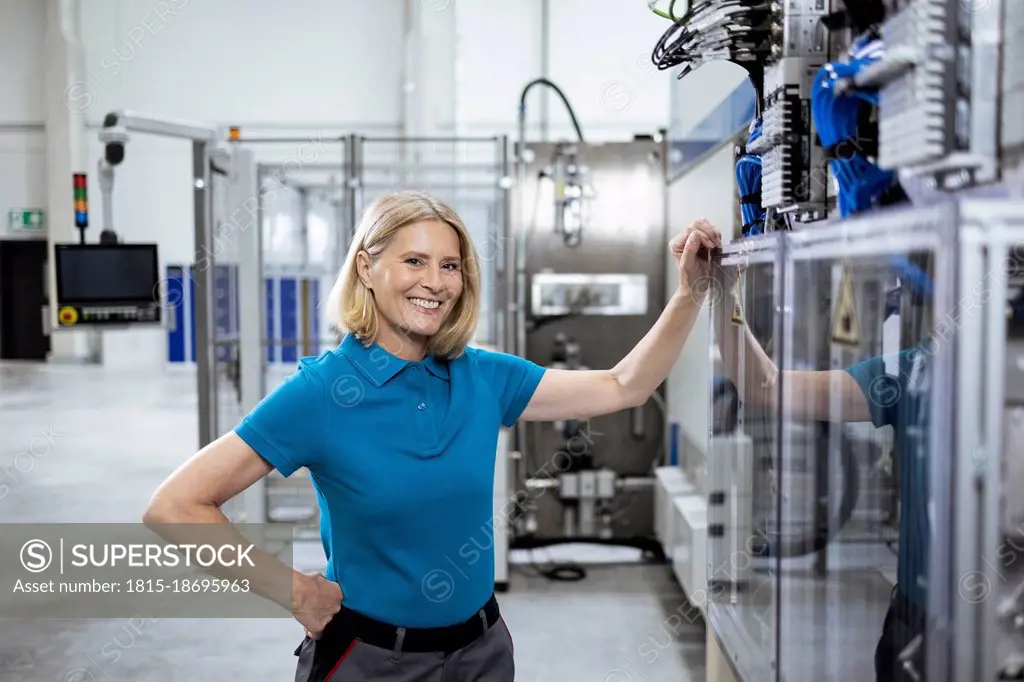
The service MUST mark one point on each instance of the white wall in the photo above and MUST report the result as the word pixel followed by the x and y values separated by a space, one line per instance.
pixel 22 112
pixel 313 69
pixel 706 191
pixel 309 70
pixel 599 55
pixel 246 62
pixel 264 66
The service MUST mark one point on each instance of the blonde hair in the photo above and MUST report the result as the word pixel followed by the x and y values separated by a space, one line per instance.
pixel 350 304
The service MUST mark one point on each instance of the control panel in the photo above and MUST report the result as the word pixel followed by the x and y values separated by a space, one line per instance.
pixel 107 284
pixel 72 315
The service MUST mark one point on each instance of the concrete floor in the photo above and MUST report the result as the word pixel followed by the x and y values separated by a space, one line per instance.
pixel 87 444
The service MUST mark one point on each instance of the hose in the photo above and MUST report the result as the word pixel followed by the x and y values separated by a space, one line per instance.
pixel 518 342
pixel 561 95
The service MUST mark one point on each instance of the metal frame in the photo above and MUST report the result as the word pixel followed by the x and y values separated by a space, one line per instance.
pixel 114 135
pixel 745 657
pixel 251 313
pixel 989 231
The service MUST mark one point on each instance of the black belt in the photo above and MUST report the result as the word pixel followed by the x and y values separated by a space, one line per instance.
pixel 348 624
pixel 906 611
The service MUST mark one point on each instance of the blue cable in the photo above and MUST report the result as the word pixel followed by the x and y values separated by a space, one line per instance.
pixel 748 180
pixel 836 114
pixel 912 276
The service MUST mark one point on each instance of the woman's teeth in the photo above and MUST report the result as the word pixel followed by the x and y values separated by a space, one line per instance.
pixel 424 303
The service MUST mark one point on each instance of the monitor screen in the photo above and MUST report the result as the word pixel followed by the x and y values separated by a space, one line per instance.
pixel 107 273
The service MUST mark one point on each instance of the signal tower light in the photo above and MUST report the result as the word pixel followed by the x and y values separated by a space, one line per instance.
pixel 81 204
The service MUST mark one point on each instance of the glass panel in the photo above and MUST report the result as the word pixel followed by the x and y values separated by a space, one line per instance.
pixel 303 209
pixel 224 261
pixel 742 580
pixel 1005 566
pixel 850 535
pixel 690 138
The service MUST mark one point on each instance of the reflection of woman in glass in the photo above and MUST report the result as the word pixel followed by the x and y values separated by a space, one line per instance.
pixel 867 393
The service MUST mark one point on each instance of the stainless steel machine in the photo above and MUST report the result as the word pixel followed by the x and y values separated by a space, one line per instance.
pixel 589 255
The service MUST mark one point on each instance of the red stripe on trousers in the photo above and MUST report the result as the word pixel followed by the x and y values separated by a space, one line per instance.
pixel 341 660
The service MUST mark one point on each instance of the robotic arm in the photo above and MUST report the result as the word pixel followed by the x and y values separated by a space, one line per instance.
pixel 115 137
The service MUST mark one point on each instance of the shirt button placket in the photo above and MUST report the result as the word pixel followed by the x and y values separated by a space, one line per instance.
pixel 423 418
pixel 421 403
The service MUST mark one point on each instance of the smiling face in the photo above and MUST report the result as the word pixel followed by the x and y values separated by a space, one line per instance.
pixel 416 282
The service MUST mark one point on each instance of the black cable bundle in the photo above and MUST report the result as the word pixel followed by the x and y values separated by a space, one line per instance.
pixel 859 16
pixel 738 31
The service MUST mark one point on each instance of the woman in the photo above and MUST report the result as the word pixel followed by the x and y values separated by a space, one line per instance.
pixel 398 427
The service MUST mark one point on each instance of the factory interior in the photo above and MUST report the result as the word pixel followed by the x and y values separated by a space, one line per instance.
pixel 820 490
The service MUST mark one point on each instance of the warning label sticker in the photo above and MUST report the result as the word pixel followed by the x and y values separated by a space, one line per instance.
pixel 845 325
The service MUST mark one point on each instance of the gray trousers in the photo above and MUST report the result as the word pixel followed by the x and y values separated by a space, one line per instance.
pixel 488 659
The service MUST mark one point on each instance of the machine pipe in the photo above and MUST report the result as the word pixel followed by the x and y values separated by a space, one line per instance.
pixel 623 484
pixel 492 138
pixel 518 305
pixel 142 123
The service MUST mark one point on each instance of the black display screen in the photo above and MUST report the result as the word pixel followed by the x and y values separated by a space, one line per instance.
pixel 108 273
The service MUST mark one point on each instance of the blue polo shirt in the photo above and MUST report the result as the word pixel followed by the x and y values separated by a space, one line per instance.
pixel 401 455
pixel 903 400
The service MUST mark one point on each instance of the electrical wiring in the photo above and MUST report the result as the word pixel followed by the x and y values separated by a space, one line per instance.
pixel 748 180
pixel 738 31
pixel 739 27
pixel 836 108
pixel 670 15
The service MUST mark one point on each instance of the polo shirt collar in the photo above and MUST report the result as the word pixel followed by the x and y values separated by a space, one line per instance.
pixel 380 366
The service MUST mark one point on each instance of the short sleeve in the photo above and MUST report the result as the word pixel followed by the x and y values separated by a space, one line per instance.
pixel 288 427
pixel 881 390
pixel 512 379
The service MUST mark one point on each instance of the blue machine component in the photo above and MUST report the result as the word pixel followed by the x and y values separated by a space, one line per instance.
pixel 673 446
pixel 234 302
pixel 289 320
pixel 836 105
pixel 314 306
pixel 222 307
pixel 175 305
pixel 285 313
pixel 271 348
pixel 192 312
pixel 912 278
pixel 748 180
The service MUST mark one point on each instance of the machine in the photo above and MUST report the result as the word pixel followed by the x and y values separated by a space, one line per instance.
pixel 107 284
pixel 225 199
pixel 588 230
pixel 879 186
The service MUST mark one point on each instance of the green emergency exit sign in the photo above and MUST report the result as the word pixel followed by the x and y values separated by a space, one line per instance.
pixel 29 220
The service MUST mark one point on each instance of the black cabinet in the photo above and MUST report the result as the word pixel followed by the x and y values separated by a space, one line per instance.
pixel 24 333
